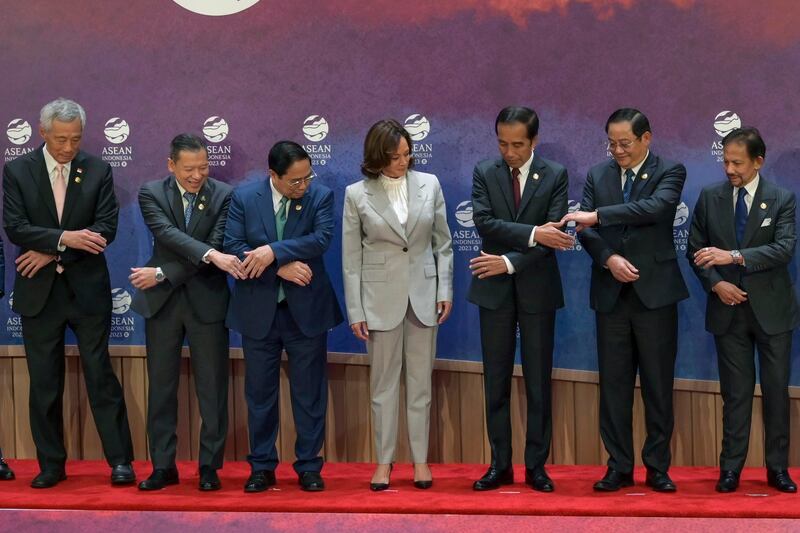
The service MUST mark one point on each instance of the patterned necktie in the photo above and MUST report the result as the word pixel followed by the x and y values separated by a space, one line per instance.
pixel 280 223
pixel 626 188
pixel 60 190
pixel 515 185
pixel 740 215
pixel 187 213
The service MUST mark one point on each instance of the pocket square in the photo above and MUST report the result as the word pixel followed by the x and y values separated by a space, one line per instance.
pixel 766 222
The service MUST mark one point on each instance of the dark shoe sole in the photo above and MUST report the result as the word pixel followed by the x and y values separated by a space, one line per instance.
pixel 377 487
pixel 480 488
pixel 35 485
pixel 165 485
pixel 606 488
pixel 424 485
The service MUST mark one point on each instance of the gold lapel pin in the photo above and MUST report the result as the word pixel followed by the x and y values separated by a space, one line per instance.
pixel 644 176
pixel 201 207
pixel 536 176
pixel 763 205
pixel 298 207
pixel 77 179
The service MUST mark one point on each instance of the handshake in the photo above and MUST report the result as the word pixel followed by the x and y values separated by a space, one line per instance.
pixel 552 236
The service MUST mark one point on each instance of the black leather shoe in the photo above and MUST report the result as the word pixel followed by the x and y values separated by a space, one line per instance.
pixel 538 479
pixel 6 474
pixel 209 480
pixel 48 478
pixel 780 480
pixel 260 480
pixel 122 474
pixel 377 487
pixel 659 481
pixel 160 478
pixel 728 481
pixel 311 481
pixel 494 478
pixel 614 480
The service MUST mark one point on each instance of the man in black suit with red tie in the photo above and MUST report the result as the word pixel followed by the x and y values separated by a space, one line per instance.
pixel 516 202
pixel 741 242
pixel 59 207
pixel 625 224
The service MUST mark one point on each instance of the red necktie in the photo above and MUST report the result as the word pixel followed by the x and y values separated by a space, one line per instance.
pixel 515 184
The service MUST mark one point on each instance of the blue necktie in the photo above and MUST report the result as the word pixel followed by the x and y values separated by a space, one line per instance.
pixel 740 215
pixel 187 213
pixel 626 188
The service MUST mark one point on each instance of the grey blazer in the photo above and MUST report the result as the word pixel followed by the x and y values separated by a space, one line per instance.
pixel 386 265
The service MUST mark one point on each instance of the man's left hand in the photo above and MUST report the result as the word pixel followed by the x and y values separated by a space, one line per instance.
pixel 710 256
pixel 582 219
pixel 487 265
pixel 31 262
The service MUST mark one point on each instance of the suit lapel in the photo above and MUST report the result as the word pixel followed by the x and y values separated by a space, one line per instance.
pixel 764 196
pixel 42 180
pixel 502 178
pixel 724 211
pixel 200 206
pixel 416 197
pixel 266 211
pixel 379 200
pixel 296 208
pixel 176 203
pixel 647 169
pixel 73 188
pixel 536 174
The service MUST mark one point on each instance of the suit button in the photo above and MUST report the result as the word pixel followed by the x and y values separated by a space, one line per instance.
pixel 405 249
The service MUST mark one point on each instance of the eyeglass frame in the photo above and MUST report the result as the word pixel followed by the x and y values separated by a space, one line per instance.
pixel 611 146
pixel 296 182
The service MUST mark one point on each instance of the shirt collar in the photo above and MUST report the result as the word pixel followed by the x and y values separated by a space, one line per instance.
pixel 51 163
pixel 180 189
pixel 276 195
pixel 525 169
pixel 750 187
pixel 639 166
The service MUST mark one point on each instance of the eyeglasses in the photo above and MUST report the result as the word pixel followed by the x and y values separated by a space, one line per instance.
pixel 299 181
pixel 625 144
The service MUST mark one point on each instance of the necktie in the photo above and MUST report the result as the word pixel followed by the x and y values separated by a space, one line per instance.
pixel 740 215
pixel 60 190
pixel 626 188
pixel 187 213
pixel 515 184
pixel 280 223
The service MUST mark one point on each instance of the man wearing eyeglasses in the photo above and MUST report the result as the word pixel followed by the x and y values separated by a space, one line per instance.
pixel 280 230
pixel 625 224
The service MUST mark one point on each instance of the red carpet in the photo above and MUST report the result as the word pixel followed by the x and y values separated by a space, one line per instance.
pixel 87 487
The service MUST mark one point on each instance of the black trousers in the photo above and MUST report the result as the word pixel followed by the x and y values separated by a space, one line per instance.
pixel 499 342
pixel 43 337
pixel 634 338
pixel 737 379
pixel 208 347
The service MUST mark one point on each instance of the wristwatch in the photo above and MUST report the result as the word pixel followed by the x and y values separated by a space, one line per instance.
pixel 160 275
pixel 737 257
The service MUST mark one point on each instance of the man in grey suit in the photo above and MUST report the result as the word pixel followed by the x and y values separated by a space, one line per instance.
pixel 517 203
pixel 741 242
pixel 183 293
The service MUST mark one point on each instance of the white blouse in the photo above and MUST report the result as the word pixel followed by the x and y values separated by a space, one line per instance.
pixel 397 191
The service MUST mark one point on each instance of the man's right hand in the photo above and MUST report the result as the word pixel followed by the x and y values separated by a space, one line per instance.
pixel 85 240
pixel 622 269
pixel 549 235
pixel 296 272
pixel 728 293
pixel 227 263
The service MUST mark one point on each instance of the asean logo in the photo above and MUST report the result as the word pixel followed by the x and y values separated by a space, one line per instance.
pixel 725 122
pixel 464 214
pixel 315 128
pixel 417 126
pixel 216 8
pixel 215 129
pixel 19 131
pixel 116 130
pixel 120 301
pixel 681 215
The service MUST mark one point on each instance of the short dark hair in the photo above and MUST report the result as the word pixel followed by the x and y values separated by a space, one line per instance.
pixel 185 142
pixel 639 123
pixel 751 138
pixel 379 145
pixel 284 154
pixel 523 115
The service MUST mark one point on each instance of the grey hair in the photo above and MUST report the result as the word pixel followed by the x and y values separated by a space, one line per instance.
pixel 62 110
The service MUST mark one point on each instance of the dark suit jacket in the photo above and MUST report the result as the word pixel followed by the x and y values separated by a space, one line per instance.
pixel 179 250
pixel 640 231
pixel 536 283
pixel 31 222
pixel 767 250
pixel 306 237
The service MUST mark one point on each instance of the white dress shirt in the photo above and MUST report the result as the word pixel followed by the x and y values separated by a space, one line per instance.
pixel 397 191
pixel 635 170
pixel 277 196
pixel 524 170
pixel 751 193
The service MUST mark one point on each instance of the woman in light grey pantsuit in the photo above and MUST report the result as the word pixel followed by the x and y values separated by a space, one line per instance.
pixel 398 280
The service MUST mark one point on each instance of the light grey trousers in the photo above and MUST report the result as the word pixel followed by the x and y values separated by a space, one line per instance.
pixel 411 346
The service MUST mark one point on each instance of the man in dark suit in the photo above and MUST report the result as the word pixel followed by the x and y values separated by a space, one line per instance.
pixel 60 209
pixel 741 242
pixel 183 293
pixel 516 200
pixel 625 224
pixel 280 229
pixel 6 474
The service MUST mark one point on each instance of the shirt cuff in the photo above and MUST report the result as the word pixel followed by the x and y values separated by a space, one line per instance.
pixel 206 260
pixel 60 247
pixel 531 241
pixel 509 266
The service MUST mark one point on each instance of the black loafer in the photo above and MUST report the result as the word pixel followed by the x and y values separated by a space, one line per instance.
pixel 311 481
pixel 6 474
pixel 538 479
pixel 728 481
pixel 781 480
pixel 614 480
pixel 48 478
pixel 494 479
pixel 160 478
pixel 659 481
pixel 209 480
pixel 122 474
pixel 259 481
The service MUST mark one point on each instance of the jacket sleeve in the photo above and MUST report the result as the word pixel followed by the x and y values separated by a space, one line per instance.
pixel 313 244
pixel 235 240
pixel 698 238
pixel 166 233
pixel 352 259
pixel 442 244
pixel 655 208
pixel 781 251
pixel 15 220
pixel 594 243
